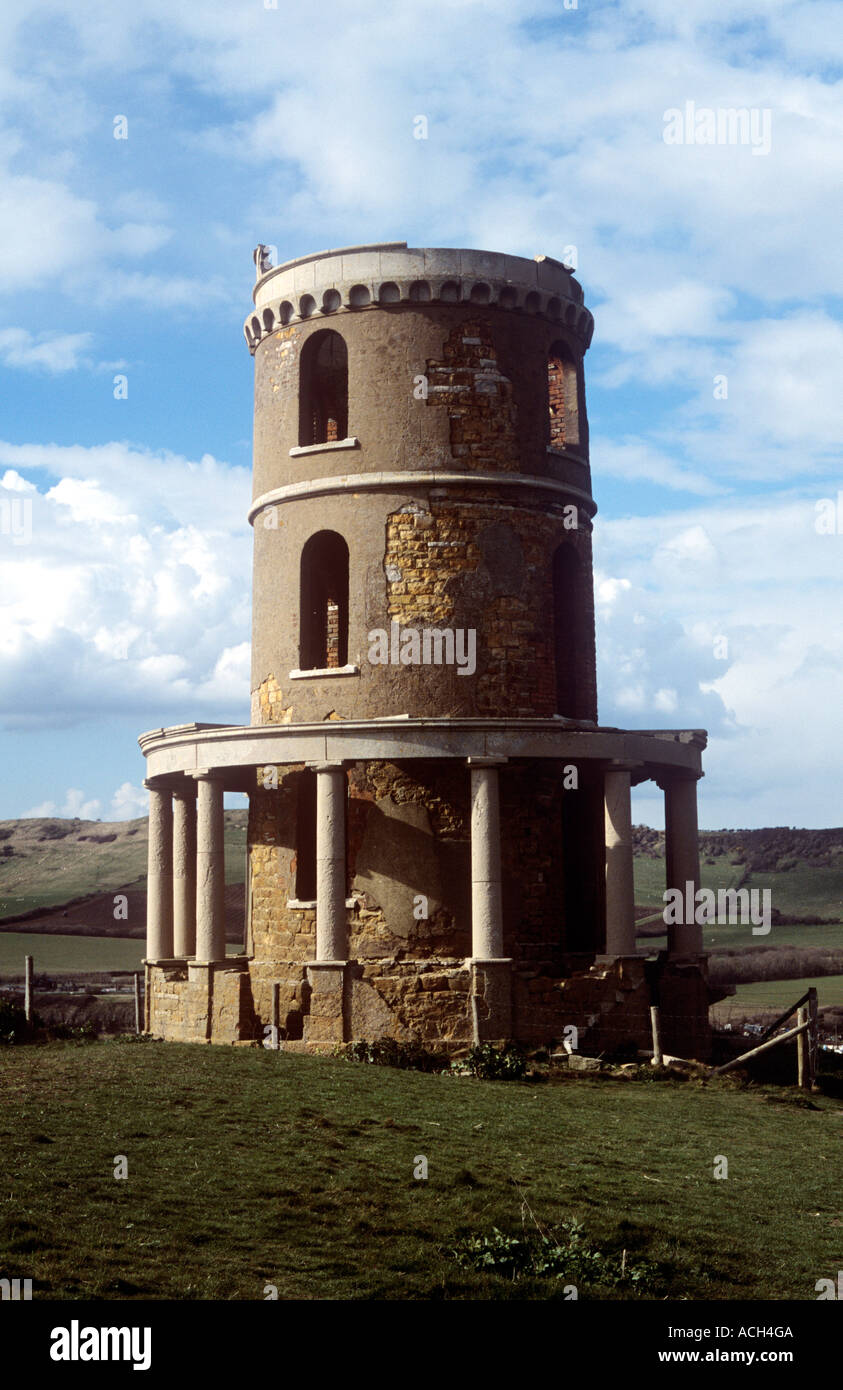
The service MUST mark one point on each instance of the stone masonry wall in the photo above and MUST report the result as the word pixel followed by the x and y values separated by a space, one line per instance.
pixel 486 566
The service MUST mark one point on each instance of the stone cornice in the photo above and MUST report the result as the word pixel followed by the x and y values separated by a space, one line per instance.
pixel 232 751
pixel 359 278
pixel 399 481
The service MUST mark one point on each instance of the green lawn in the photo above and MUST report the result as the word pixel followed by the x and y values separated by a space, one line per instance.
pixel 249 1168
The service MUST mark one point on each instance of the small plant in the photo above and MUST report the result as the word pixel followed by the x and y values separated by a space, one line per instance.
pixel 562 1253
pixel 507 1063
pixel 386 1052
pixel 67 1032
pixel 13 1025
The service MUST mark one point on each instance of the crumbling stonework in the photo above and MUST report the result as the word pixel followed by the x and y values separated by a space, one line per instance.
pixel 267 704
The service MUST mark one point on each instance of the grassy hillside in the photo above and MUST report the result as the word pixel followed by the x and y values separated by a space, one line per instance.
pixel 45 862
pixel 802 868
pixel 249 1168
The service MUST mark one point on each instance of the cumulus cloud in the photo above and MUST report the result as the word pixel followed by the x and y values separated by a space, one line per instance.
pixel 74 807
pixel 723 618
pixel 49 352
pixel 708 267
pixel 129 802
pixel 134 585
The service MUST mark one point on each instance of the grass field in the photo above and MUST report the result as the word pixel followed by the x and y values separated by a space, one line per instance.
pixel 802 891
pixel 249 1168
pixel 650 877
pixel 68 954
pixel 775 995
pixel 725 937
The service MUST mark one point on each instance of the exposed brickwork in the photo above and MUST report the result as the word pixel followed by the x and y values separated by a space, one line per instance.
pixel 467 381
pixel 277 932
pixel 332 634
pixel 562 401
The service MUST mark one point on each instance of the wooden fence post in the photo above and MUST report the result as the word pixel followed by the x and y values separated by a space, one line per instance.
pixel 813 1037
pixel 797 1032
pixel 802 1051
pixel 276 1016
pixel 27 995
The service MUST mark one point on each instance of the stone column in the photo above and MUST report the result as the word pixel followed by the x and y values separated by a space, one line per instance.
pixel 331 927
pixel 486 901
pixel 184 871
pixel 210 869
pixel 326 1021
pixel 159 882
pixel 620 888
pixel 682 857
pixel 491 971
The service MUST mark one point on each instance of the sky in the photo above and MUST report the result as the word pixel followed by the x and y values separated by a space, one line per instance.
pixel 145 150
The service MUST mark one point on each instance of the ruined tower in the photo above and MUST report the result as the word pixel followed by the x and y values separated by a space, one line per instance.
pixel 439 830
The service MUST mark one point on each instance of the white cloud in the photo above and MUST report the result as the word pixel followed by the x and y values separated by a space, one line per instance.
pixel 129 802
pixel 50 352
pixel 135 586
pixel 13 482
pixel 74 807
pixel 756 573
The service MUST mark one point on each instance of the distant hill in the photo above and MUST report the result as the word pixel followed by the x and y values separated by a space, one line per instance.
pixel 76 866
pixel 761 850
pixel 60 876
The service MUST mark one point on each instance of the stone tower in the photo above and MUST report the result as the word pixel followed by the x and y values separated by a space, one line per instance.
pixel 439 831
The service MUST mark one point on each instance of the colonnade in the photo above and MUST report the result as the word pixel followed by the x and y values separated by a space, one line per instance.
pixel 186 877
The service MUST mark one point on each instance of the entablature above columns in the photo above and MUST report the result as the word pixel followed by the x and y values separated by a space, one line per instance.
pixel 232 752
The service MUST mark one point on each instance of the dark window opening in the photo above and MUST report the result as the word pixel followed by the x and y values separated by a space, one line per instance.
pixel 562 398
pixel 323 638
pixel 583 868
pixel 323 389
pixel 306 837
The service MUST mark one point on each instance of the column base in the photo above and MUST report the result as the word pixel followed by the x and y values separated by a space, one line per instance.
pixel 326 1022
pixel 491 999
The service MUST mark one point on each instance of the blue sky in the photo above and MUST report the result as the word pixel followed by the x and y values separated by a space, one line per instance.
pixel 718 600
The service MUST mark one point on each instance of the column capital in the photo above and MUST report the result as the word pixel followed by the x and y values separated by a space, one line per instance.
pixel 186 790
pixel 323 766
pixel 206 774
pixel 156 784
pixel 666 778
pixel 623 765
pixel 484 761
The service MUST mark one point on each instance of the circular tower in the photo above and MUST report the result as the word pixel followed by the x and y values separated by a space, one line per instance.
pixel 421 462
pixel 422 521
pixel 439 840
